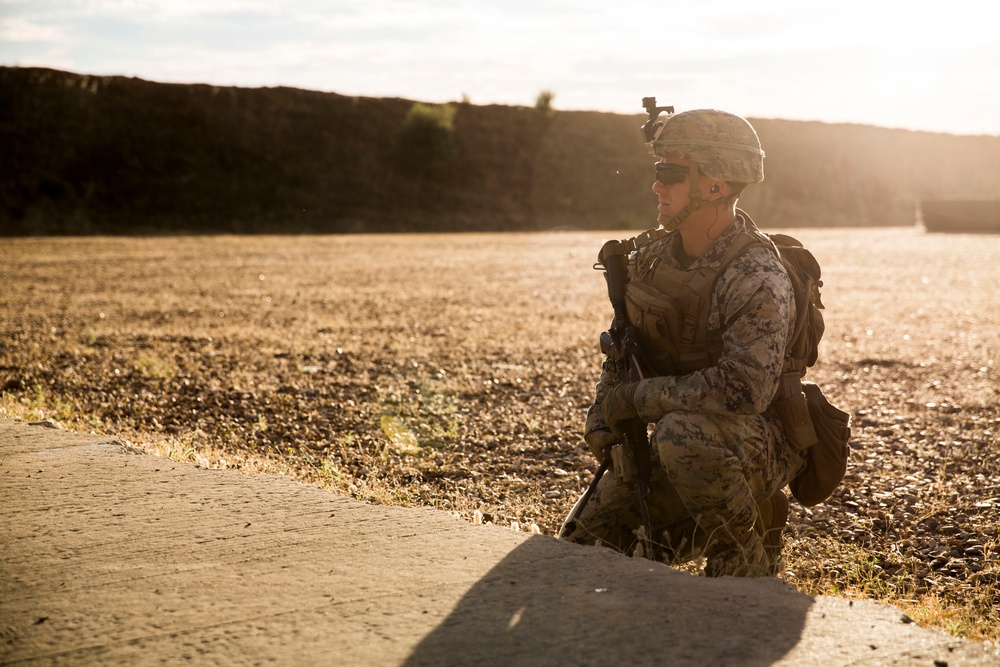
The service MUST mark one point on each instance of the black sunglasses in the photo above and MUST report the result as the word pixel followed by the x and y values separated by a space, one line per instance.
pixel 671 174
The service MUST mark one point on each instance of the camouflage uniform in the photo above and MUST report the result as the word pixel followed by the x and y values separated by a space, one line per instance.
pixel 719 452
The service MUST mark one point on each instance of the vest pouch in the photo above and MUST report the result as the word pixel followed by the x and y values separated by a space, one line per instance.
pixel 655 315
pixel 657 320
pixel 623 460
pixel 826 461
pixel 796 420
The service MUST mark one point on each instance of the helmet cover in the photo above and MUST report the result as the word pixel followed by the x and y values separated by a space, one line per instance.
pixel 724 145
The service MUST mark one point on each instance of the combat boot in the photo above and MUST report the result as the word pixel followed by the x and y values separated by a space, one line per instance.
pixel 746 558
pixel 772 515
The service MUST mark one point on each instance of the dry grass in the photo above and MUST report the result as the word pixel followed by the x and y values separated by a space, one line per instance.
pixel 454 371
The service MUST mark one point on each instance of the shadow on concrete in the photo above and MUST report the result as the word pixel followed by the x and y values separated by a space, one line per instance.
pixel 551 603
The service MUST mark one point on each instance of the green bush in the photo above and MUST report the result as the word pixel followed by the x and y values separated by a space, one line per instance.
pixel 427 134
pixel 544 101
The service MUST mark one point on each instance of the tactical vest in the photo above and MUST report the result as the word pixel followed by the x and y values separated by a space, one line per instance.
pixel 670 310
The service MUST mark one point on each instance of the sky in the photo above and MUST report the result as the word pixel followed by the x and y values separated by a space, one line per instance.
pixel 912 65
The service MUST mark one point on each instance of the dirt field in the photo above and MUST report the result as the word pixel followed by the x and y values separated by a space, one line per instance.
pixel 454 371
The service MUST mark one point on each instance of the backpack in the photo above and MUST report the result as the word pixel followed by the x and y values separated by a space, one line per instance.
pixel 823 430
pixel 806 277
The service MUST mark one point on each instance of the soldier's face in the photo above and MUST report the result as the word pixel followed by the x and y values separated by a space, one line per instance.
pixel 671 185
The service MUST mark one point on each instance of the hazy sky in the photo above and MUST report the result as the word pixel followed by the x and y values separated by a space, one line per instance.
pixel 915 65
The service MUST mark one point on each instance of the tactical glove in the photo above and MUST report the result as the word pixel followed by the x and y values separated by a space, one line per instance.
pixel 619 406
pixel 599 440
pixel 596 432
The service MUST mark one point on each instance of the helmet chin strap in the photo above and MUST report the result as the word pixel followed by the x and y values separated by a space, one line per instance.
pixel 695 202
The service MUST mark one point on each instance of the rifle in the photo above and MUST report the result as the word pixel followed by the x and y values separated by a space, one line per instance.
pixel 631 455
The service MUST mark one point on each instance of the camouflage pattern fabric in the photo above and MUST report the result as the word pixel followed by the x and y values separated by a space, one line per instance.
pixel 710 473
pixel 753 304
pixel 724 145
pixel 719 451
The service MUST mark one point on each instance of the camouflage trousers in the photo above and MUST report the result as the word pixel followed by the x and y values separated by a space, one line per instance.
pixel 710 474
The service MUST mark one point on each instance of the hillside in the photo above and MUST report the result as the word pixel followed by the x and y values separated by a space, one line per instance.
pixel 114 155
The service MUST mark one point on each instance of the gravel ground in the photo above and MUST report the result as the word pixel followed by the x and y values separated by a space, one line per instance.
pixel 454 371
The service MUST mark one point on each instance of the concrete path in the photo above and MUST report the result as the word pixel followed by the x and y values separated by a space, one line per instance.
pixel 115 558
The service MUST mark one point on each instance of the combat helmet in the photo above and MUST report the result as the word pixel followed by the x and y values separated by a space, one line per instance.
pixel 719 144
pixel 724 145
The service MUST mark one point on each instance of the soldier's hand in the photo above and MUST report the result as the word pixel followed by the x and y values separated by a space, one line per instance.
pixel 619 406
pixel 596 432
pixel 599 440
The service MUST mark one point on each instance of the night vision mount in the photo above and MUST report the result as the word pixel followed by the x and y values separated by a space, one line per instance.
pixel 649 127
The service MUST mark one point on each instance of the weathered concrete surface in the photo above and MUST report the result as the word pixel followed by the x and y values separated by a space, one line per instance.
pixel 116 558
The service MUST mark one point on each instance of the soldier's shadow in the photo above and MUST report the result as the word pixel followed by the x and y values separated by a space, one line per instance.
pixel 552 603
